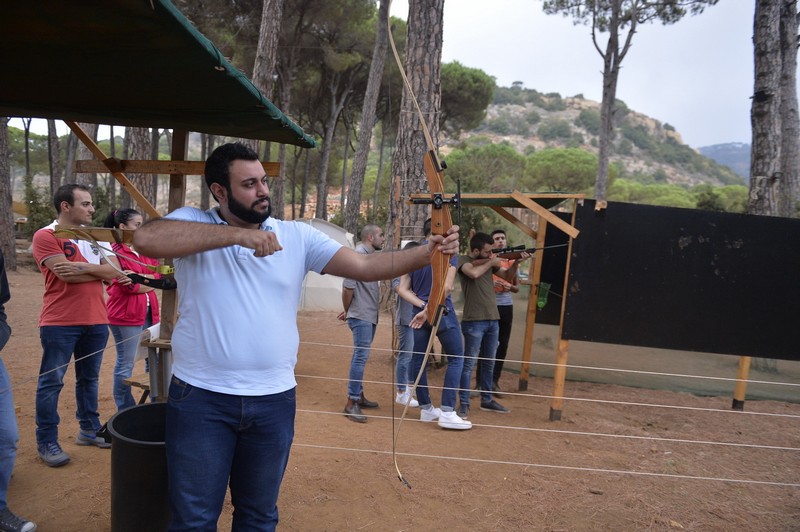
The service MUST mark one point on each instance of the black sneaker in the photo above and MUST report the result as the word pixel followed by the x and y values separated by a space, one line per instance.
pixel 494 406
pixel 13 523
pixel 463 411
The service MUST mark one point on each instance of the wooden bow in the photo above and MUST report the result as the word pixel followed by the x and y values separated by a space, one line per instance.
pixel 441 221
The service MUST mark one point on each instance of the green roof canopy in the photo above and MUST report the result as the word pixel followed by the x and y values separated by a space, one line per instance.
pixel 134 63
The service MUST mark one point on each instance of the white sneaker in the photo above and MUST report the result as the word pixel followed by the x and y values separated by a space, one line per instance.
pixel 402 398
pixel 450 420
pixel 427 416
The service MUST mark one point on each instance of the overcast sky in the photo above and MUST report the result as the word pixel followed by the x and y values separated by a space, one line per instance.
pixel 696 75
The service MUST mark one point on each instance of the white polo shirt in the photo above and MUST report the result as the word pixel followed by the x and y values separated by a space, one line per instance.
pixel 237 326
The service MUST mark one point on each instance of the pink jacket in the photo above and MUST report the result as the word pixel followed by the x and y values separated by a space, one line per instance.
pixel 126 306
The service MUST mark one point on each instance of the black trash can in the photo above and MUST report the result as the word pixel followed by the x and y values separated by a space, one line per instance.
pixel 139 469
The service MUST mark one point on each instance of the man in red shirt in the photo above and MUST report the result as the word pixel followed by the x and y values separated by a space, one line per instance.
pixel 73 320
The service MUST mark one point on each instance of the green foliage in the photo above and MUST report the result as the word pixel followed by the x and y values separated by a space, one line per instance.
pixel 638 135
pixel 508 123
pixel 722 199
pixel 466 93
pixel 563 169
pixel 554 102
pixel 555 129
pixel 630 11
pixel 532 117
pixel 589 119
pixel 485 168
pixel 40 165
pixel 40 208
pixel 732 198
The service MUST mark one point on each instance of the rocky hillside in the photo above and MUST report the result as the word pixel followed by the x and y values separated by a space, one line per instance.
pixel 644 148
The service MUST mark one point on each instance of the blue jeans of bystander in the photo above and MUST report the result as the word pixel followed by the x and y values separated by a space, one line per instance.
pixel 87 342
pixel 405 345
pixel 363 333
pixel 127 339
pixel 449 335
pixel 480 340
pixel 9 434
pixel 213 437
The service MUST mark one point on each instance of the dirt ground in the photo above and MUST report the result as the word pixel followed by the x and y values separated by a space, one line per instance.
pixel 621 458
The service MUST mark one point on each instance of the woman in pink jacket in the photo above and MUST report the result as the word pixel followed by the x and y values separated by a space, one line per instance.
pixel 131 308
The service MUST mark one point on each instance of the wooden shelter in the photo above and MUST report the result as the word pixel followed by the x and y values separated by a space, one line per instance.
pixel 137 63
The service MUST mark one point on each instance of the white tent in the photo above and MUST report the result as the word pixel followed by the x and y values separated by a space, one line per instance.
pixel 324 292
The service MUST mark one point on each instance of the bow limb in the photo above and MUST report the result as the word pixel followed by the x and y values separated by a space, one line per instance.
pixel 440 224
pixel 441 221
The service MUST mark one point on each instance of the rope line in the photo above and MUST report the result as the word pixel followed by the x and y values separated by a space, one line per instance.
pixel 553 466
pixel 571 366
pixel 590 434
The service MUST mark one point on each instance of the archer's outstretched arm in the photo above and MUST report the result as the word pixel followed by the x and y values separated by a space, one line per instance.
pixel 387 265
pixel 177 238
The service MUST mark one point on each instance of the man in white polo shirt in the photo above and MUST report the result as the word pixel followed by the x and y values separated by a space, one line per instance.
pixel 231 406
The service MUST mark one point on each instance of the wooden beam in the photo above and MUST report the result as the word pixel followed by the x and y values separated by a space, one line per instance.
pixel 119 176
pixel 93 166
pixel 544 213
pixel 514 220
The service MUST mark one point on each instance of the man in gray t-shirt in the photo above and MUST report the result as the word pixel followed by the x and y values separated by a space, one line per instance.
pixel 361 301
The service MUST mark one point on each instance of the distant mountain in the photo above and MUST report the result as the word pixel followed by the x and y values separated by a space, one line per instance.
pixel 644 149
pixel 734 155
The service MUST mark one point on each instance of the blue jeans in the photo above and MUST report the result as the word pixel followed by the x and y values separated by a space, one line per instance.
pixel 449 334
pixel 480 340
pixel 59 342
pixel 405 345
pixel 212 437
pixel 127 339
pixel 9 435
pixel 363 333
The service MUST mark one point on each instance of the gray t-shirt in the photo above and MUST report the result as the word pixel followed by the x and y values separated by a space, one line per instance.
pixel 366 295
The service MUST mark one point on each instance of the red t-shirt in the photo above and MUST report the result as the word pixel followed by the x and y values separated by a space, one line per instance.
pixel 67 303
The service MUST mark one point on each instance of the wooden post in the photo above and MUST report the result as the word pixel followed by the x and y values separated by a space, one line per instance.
pixel 559 380
pixel 560 374
pixel 530 316
pixel 160 352
pixel 741 384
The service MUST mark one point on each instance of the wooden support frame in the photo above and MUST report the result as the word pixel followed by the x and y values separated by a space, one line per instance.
pixel 109 167
pixel 534 203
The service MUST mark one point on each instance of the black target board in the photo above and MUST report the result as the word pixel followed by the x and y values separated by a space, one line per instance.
pixel 685 279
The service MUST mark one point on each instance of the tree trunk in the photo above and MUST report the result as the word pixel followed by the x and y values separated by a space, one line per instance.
pixel 206 147
pixel 367 123
pixel 139 140
pixel 112 183
pixel 423 67
pixel 264 77
pixel 83 154
pixel 789 182
pixel 329 129
pixel 69 163
pixel 765 109
pixel 155 137
pixel 346 145
pixel 54 157
pixel 7 245
pixel 304 188
pixel 380 174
